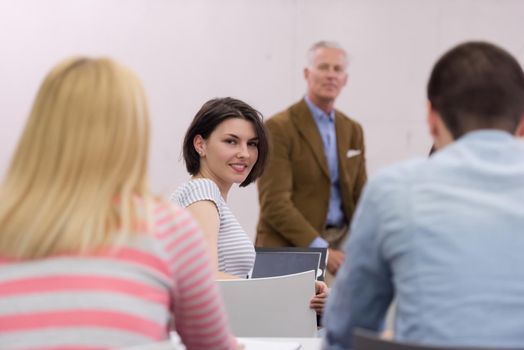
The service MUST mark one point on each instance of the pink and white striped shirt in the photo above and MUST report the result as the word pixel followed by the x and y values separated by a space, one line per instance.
pixel 117 298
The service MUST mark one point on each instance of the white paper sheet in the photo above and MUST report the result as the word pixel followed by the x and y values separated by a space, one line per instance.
pixel 251 344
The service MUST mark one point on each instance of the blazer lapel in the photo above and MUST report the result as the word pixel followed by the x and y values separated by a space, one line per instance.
pixel 343 142
pixel 307 127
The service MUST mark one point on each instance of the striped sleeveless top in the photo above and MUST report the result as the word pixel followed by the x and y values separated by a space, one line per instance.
pixel 236 254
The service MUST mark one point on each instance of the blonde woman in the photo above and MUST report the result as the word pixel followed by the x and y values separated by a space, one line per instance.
pixel 88 257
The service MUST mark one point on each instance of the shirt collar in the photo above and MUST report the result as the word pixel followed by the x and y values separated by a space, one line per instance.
pixel 487 134
pixel 318 114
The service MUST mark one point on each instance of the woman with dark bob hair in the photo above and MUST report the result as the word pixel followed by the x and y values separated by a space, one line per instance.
pixel 225 144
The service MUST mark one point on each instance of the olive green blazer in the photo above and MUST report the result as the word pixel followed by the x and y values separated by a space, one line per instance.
pixel 295 187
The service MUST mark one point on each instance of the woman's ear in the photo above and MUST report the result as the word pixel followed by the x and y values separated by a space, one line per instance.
pixel 200 145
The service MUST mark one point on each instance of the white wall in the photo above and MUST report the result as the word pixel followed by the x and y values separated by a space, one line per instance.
pixel 189 51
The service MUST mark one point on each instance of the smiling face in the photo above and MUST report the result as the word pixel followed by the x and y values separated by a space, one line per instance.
pixel 326 76
pixel 228 154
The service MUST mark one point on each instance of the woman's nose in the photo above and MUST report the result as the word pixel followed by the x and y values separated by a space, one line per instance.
pixel 243 152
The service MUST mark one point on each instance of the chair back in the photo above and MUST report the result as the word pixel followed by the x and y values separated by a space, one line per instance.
pixel 271 307
pixel 366 340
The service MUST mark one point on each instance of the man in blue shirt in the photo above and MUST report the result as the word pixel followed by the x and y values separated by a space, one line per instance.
pixel 316 168
pixel 445 235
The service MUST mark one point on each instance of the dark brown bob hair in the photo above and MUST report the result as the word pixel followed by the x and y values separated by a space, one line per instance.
pixel 210 115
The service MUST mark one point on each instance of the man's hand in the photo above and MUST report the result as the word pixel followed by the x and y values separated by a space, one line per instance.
pixel 335 259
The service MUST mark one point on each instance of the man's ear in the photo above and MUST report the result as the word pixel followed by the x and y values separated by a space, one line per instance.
pixel 438 129
pixel 344 83
pixel 200 145
pixel 306 73
pixel 432 119
pixel 520 128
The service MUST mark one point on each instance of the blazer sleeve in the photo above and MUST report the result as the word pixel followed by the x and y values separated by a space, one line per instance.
pixel 362 174
pixel 275 191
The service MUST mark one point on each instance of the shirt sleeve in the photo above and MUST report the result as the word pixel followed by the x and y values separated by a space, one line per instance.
pixel 199 314
pixel 197 190
pixel 363 288
pixel 319 242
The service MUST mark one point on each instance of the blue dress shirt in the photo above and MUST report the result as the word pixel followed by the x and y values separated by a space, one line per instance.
pixel 445 235
pixel 326 126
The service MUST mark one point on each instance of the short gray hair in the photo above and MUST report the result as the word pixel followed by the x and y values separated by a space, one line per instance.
pixel 324 44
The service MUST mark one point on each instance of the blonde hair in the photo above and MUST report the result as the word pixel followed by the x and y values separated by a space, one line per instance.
pixel 80 164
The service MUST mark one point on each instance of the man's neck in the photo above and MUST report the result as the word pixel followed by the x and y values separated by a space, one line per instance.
pixel 325 105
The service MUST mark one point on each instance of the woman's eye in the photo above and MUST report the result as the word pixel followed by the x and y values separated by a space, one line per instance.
pixel 253 144
pixel 230 141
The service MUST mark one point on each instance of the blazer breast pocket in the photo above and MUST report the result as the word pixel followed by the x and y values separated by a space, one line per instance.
pixel 352 164
pixel 350 153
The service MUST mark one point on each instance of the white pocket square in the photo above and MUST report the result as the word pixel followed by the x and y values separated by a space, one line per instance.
pixel 352 153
